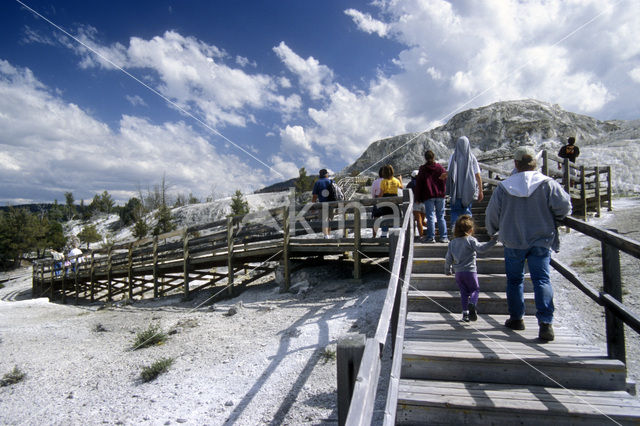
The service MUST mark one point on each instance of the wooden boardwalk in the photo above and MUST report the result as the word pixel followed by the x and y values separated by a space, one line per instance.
pixel 484 373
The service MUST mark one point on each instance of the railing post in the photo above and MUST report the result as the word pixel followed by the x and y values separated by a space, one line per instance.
pixel 566 176
pixel 185 266
pixel 76 287
pixel 109 274
pixel 357 245
pixel 598 203
pixel 155 267
pixel 545 162
pixel 130 272
pixel 583 193
pixel 348 357
pixel 286 228
pixel 230 255
pixel 609 188
pixel 53 263
pixel 92 277
pixel 612 285
pixel 64 285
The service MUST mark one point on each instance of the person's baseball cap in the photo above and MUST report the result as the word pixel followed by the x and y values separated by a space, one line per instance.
pixel 526 155
pixel 414 173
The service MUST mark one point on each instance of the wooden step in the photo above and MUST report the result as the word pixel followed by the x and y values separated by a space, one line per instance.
pixel 436 347
pixel 487 265
pixel 440 250
pixel 449 301
pixel 440 402
pixel 439 281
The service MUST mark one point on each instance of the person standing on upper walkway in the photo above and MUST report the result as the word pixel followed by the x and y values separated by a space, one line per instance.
pixel 464 183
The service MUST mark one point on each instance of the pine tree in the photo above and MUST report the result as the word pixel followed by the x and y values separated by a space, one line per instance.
pixel 89 234
pixel 303 183
pixel 239 206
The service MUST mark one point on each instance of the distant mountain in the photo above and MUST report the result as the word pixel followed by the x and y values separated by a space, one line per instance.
pixel 494 130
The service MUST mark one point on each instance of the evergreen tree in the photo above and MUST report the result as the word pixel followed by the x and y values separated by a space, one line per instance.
pixel 89 234
pixel 132 211
pixel 68 196
pixel 239 206
pixel 303 183
pixel 140 229
pixel 163 217
pixel 106 202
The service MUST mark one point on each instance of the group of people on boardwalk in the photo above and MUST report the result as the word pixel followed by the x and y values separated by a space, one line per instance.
pixel 64 263
pixel 522 214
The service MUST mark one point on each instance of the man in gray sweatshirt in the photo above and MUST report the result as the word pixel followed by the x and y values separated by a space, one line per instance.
pixel 525 208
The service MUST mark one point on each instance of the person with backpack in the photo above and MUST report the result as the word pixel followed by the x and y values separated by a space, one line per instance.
pixel 323 191
pixel 570 151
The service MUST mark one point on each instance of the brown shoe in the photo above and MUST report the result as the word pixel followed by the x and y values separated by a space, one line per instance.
pixel 514 324
pixel 546 332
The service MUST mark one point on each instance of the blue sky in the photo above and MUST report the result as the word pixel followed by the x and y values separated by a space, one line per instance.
pixel 239 94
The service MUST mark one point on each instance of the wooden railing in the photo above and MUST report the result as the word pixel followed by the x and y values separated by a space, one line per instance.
pixel 616 312
pixel 587 186
pixel 359 362
pixel 141 260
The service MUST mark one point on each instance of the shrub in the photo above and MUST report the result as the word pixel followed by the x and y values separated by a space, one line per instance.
pixel 12 377
pixel 153 335
pixel 152 371
pixel 328 354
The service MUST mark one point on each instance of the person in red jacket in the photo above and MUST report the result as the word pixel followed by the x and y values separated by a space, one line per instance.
pixel 430 189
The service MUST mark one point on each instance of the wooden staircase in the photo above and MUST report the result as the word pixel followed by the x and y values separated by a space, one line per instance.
pixel 484 373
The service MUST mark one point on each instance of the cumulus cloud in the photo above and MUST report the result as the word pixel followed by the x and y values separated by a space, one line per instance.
pixel 55 146
pixel 366 23
pixel 464 55
pixel 191 73
pixel 314 78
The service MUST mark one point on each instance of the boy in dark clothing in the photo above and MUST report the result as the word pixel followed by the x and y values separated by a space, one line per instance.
pixel 570 150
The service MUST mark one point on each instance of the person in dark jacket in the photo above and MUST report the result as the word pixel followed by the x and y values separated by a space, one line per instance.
pixel 430 189
pixel 418 206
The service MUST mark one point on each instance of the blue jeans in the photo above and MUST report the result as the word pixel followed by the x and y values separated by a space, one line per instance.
pixel 434 210
pixel 458 210
pixel 538 259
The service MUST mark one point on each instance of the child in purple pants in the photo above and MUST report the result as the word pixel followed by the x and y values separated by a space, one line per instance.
pixel 461 256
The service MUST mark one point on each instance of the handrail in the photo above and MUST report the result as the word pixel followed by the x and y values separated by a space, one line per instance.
pixel 364 391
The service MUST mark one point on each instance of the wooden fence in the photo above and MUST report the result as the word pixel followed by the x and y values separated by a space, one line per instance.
pixel 589 187
pixel 214 254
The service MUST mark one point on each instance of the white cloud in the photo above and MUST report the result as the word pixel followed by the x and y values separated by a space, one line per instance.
pixel 136 100
pixel 193 74
pixel 635 74
pixel 294 140
pixel 316 79
pixel 288 169
pixel 54 146
pixel 463 55
pixel 366 23
pixel 243 62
